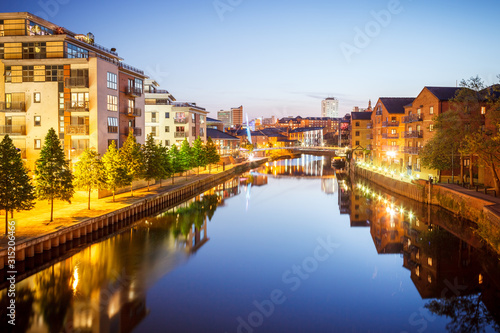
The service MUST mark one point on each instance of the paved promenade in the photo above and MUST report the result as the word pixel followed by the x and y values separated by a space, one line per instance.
pixel 36 222
pixel 495 207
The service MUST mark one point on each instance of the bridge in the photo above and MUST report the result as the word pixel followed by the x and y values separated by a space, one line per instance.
pixel 313 150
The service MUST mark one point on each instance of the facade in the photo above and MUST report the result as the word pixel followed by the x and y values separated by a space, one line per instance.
pixel 215 124
pixel 361 134
pixel 226 144
pixel 55 78
pixel 307 136
pixel 237 116
pixel 159 114
pixel 330 107
pixel 232 118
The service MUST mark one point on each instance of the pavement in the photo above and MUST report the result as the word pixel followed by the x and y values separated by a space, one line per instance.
pixel 36 222
pixel 495 201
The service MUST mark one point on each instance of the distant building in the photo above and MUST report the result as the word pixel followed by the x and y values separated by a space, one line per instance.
pixel 307 136
pixel 226 117
pixel 361 133
pixel 226 144
pixel 237 114
pixel 215 124
pixel 330 107
pixel 232 118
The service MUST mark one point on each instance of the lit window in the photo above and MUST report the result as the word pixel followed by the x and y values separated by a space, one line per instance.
pixel 431 110
pixel 38 144
pixel 112 80
pixel 38 120
pixel 429 278
pixel 431 128
pixel 112 125
pixel 167 129
pixel 37 97
pixel 483 109
pixel 112 103
pixel 429 261
pixel 167 115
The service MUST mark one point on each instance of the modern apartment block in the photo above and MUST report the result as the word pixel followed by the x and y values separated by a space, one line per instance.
pixel 232 118
pixel 53 77
pixel 330 107
pixel 171 121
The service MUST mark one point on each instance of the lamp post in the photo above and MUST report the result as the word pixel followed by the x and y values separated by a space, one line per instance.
pixel 73 149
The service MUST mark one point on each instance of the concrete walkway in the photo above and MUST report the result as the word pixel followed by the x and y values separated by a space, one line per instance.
pixel 495 201
pixel 36 222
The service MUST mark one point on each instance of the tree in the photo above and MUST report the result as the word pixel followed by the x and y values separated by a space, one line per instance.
pixel 199 154
pixel 211 153
pixel 132 159
pixel 175 162
pixel 115 174
pixel 88 172
pixel 153 167
pixel 186 156
pixel 166 165
pixel 52 174
pixel 16 190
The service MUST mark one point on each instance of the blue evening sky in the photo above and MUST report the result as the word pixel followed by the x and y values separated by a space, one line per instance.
pixel 282 57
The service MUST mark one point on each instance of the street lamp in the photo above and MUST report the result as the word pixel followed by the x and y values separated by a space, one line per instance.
pixel 73 149
pixel 391 154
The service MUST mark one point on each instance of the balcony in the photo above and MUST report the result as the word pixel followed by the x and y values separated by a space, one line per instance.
pixel 77 130
pixel 390 135
pixel 411 118
pixel 77 106
pixel 369 125
pixel 369 137
pixel 132 91
pixel 369 147
pixel 416 167
pixel 411 150
pixel 135 112
pixel 180 121
pixel 378 112
pixel 391 123
pixel 390 148
pixel 12 107
pixel 413 134
pixel 130 68
pixel 76 82
pixel 137 131
pixel 180 134
pixel 13 129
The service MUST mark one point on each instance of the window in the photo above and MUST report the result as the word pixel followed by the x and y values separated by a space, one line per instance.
pixel 393 131
pixel 393 143
pixel 357 133
pixel 110 141
pixel 193 117
pixel 80 100
pixel 34 50
pixel 77 52
pixel 38 143
pixel 37 97
pixel 179 129
pixel 431 110
pixel 357 143
pixel 38 121
pixel 28 74
pixel 429 261
pixel 167 115
pixel 153 117
pixel 112 125
pixel 112 81
pixel 112 103
pixel 131 106
pixel 167 143
pixel 429 278
pixel 154 131
pixel 138 85
pixel 483 109
pixel 54 73
pixel 419 111
pixel 194 131
pixel 357 124
pixel 167 129
pixel 431 127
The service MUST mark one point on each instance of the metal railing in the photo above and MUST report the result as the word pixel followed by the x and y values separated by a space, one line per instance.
pixel 77 106
pixel 390 135
pixel 369 136
pixel 131 68
pixel 390 148
pixel 77 129
pixel 378 112
pixel 411 150
pixel 391 123
pixel 413 134
pixel 369 125
pixel 76 82
pixel 133 91
pixel 411 118
pixel 13 106
pixel 180 134
pixel 137 131
pixel 13 129
pixel 136 112
pixel 181 121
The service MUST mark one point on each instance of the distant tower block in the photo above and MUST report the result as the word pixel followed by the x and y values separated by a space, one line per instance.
pixel 330 107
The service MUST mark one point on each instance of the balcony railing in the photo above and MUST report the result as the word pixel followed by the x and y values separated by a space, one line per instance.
pixel 180 134
pixel 369 125
pixel 180 121
pixel 136 112
pixel 391 123
pixel 390 148
pixel 378 112
pixel 390 135
pixel 411 150
pixel 77 106
pixel 137 131
pixel 369 147
pixel 13 129
pixel 369 136
pixel 131 68
pixel 12 106
pixel 411 118
pixel 132 91
pixel 413 134
pixel 77 130
pixel 76 82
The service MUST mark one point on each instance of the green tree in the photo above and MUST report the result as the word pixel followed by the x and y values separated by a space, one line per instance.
pixel 186 156
pixel 132 159
pixel 211 154
pixel 153 166
pixel 115 174
pixel 175 162
pixel 89 173
pixel 199 154
pixel 166 165
pixel 16 190
pixel 52 174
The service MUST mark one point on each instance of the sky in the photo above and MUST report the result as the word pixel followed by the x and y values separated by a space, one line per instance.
pixel 281 58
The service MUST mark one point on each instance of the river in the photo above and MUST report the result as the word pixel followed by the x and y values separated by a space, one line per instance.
pixel 293 246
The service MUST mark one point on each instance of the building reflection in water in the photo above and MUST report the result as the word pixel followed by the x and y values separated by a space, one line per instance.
pixel 102 288
pixel 448 263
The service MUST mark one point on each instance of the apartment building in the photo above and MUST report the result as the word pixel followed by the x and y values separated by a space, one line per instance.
pixel 360 134
pixel 232 118
pixel 387 130
pixel 53 77
pixel 307 136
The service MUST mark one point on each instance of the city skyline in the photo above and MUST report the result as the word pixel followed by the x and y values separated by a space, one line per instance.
pixel 282 58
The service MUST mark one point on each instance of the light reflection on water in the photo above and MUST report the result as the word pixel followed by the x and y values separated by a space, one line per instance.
pixel 201 266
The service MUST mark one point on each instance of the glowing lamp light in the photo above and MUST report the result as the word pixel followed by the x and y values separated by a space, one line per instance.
pixel 418 176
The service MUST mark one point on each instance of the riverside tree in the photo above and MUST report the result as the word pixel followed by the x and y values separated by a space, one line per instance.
pixel 153 167
pixel 52 173
pixel 114 171
pixel 186 156
pixel 132 159
pixel 16 190
pixel 166 166
pixel 199 154
pixel 175 162
pixel 211 154
pixel 88 172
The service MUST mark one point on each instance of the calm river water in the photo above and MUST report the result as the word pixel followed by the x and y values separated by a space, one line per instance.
pixel 293 246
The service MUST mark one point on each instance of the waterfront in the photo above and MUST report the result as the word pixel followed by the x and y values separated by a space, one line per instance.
pixel 293 246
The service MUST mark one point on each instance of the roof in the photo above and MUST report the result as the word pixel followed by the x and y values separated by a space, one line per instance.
pixel 367 115
pixel 396 104
pixel 212 120
pixel 216 134
pixel 444 93
pixel 306 129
